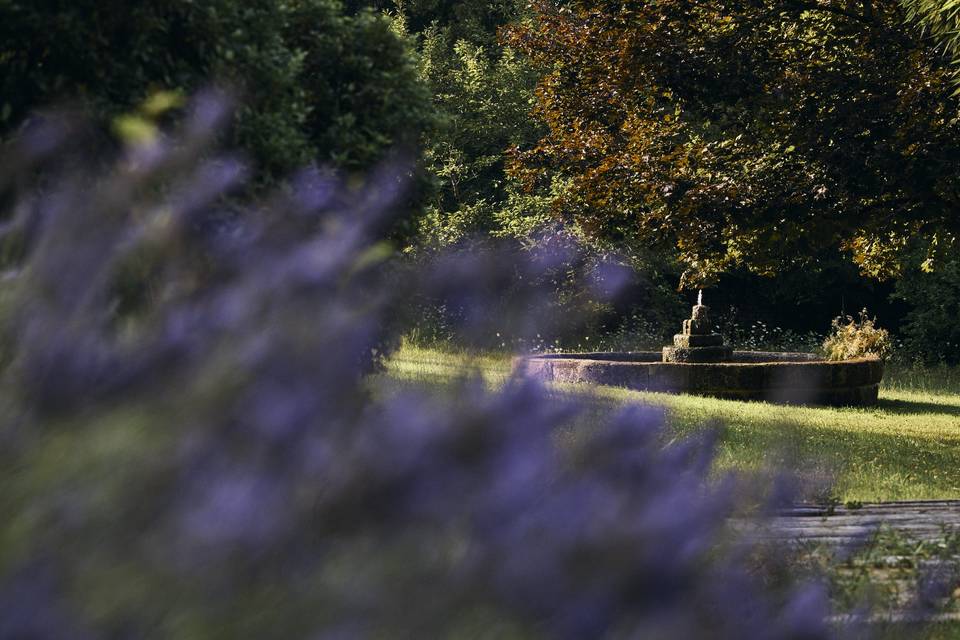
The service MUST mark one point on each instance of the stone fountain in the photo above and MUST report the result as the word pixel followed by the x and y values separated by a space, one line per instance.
pixel 700 363
pixel 698 342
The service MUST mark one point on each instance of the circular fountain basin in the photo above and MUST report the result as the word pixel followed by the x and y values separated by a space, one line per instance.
pixel 793 378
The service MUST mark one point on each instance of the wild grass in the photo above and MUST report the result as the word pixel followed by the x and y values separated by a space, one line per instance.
pixel 905 448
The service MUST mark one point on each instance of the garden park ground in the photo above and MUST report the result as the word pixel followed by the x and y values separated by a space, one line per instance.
pixel 907 447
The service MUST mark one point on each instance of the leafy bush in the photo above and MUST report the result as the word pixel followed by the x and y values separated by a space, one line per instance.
pixel 219 465
pixel 851 338
pixel 318 85
pixel 931 329
pixel 360 78
pixel 483 97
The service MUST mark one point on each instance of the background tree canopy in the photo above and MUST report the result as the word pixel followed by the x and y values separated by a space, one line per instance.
pixel 745 133
pixel 318 84
pixel 698 142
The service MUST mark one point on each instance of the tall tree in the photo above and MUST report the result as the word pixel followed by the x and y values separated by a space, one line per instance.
pixel 745 133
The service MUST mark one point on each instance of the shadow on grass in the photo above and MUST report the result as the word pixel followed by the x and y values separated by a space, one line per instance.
pixel 901 407
pixel 867 466
pixel 864 465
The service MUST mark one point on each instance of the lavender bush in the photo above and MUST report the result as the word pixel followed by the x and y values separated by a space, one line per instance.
pixel 191 447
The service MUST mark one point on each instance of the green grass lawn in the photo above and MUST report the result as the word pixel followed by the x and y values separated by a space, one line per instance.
pixel 906 448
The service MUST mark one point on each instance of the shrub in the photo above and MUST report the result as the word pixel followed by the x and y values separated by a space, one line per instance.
pixel 318 85
pixel 851 338
pixel 931 329
pixel 484 97
pixel 219 464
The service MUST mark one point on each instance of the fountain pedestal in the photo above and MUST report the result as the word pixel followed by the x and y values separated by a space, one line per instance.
pixel 697 343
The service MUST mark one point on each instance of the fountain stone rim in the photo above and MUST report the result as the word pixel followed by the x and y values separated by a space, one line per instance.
pixel 781 377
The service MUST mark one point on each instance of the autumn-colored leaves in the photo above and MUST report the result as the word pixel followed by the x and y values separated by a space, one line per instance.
pixel 742 133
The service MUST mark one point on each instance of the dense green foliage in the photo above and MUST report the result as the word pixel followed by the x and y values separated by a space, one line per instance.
pixel 482 95
pixel 484 98
pixel 730 141
pixel 318 85
pixel 474 21
pixel 483 90
pixel 940 19
pixel 931 329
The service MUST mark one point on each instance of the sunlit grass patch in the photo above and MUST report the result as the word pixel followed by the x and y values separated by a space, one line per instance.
pixel 418 365
pixel 905 448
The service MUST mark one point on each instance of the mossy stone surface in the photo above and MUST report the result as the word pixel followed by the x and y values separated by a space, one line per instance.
pixel 791 378
pixel 717 353
pixel 695 340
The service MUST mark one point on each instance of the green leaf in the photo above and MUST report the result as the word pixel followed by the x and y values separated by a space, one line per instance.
pixel 135 130
pixel 161 102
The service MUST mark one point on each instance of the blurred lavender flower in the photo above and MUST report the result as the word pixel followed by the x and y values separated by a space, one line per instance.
pixel 192 445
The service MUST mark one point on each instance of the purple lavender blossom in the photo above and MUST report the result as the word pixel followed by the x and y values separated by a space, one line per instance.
pixel 234 469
